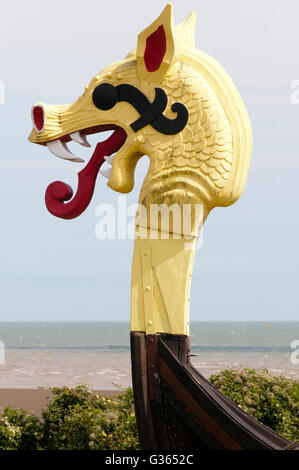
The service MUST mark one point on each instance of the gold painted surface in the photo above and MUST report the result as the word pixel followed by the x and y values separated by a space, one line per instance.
pixel 206 163
pixel 161 281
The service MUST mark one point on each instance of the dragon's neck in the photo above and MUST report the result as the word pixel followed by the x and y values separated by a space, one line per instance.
pixel 161 280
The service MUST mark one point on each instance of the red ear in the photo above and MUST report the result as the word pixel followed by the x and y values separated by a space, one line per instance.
pixel 155 49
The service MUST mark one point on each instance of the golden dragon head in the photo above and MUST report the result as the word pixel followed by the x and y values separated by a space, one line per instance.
pixel 166 100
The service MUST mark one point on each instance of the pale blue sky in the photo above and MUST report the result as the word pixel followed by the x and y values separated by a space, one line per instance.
pixel 53 269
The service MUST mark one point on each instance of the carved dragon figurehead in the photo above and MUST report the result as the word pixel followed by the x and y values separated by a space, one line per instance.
pixel 175 104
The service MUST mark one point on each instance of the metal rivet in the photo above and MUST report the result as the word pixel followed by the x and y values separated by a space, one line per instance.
pixel 150 322
pixel 148 288
pixel 145 253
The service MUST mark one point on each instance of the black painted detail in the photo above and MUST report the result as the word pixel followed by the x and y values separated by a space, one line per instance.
pixel 172 126
pixel 132 95
pixel 105 96
pixel 154 110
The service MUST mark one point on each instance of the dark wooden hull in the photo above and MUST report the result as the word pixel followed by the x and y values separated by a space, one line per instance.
pixel 178 409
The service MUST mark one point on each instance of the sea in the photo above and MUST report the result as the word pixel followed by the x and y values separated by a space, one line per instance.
pixel 97 354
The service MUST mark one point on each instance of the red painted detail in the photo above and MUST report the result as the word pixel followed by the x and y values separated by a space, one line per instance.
pixel 62 191
pixel 155 49
pixel 58 192
pixel 38 117
pixel 153 378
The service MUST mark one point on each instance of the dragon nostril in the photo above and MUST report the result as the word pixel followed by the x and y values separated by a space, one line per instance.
pixel 38 117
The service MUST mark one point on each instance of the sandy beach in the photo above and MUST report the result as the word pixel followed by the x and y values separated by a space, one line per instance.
pixel 34 400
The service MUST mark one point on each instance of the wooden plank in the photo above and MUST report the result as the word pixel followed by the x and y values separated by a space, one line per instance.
pixel 250 433
pixel 182 409
pixel 184 432
pixel 179 345
pixel 195 410
pixel 153 367
pixel 140 387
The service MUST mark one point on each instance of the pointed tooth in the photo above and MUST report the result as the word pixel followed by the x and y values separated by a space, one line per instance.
pixel 106 172
pixel 79 138
pixel 59 149
pixel 109 159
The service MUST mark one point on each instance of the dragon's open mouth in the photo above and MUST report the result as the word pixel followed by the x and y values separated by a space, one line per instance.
pixel 58 192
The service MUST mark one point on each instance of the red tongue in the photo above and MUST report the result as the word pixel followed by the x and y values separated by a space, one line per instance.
pixel 58 192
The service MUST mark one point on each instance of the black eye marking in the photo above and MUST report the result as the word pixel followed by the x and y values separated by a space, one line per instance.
pixel 105 96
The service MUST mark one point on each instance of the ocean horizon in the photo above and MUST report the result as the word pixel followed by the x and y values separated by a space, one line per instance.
pixel 46 354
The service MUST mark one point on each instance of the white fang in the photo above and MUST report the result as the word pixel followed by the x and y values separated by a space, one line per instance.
pixel 109 159
pixel 59 149
pixel 79 138
pixel 106 172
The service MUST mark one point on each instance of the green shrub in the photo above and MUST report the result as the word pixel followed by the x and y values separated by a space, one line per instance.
pixel 19 430
pixel 79 419
pixel 273 400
